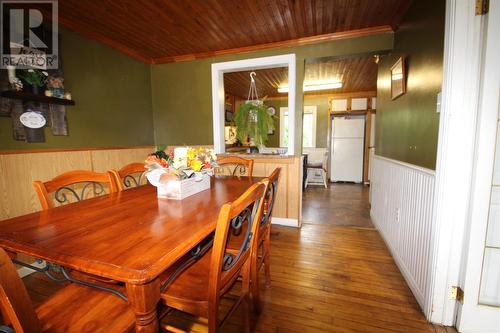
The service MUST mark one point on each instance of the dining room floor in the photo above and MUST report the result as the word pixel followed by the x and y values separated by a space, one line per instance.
pixel 325 277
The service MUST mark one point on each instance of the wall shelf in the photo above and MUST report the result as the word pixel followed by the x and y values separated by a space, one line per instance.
pixel 25 96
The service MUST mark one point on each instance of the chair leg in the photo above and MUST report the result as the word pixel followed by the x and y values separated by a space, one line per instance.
pixel 254 272
pixel 246 313
pixel 267 255
pixel 323 173
pixel 213 320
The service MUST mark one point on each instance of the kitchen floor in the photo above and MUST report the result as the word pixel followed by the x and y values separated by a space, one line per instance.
pixel 341 204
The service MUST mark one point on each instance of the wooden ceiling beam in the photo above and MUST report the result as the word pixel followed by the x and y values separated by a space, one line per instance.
pixel 281 44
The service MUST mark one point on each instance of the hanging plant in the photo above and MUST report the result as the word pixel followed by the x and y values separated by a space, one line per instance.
pixel 252 119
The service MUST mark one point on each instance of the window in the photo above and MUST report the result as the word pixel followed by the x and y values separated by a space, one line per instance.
pixel 308 127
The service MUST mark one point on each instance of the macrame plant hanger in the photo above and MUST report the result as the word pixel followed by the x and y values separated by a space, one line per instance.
pixel 253 98
pixel 252 92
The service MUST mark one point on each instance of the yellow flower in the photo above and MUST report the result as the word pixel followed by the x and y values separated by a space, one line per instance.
pixel 191 154
pixel 196 165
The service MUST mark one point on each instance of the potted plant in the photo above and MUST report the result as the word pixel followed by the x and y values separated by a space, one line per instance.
pixel 253 122
pixel 35 78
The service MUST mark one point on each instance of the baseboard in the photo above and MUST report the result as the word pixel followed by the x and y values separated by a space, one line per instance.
pixel 25 271
pixel 285 222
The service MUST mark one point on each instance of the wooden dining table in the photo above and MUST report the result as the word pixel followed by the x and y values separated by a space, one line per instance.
pixel 130 236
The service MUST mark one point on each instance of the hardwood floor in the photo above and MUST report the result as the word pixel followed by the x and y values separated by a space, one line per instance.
pixel 339 204
pixel 324 278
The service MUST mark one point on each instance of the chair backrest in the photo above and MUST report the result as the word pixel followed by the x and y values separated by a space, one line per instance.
pixel 270 197
pixel 234 166
pixel 74 186
pixel 15 304
pixel 131 175
pixel 226 264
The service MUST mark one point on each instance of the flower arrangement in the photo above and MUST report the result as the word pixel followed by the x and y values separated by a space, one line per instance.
pixel 181 163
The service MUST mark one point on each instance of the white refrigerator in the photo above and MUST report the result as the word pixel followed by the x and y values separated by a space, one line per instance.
pixel 348 139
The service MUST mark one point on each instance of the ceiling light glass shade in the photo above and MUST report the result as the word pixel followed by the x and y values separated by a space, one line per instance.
pixel 313 87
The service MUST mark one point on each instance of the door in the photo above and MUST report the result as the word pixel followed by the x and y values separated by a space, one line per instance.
pixel 347 149
pixel 480 310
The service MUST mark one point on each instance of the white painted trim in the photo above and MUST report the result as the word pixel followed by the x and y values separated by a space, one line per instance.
pixel 407 165
pixel 474 317
pixel 218 70
pixel 285 222
pixel 455 157
pixel 25 271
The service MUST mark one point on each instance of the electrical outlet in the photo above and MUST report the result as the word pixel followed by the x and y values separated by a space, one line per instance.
pixel 398 214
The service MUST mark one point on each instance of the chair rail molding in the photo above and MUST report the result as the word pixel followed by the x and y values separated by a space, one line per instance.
pixel 463 51
pixel 402 202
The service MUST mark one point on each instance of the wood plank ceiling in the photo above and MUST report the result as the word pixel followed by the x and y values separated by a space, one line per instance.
pixel 356 74
pixel 157 31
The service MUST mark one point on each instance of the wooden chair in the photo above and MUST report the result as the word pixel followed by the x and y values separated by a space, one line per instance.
pixel 234 166
pixel 64 190
pixel 75 186
pixel 198 289
pixel 73 309
pixel 263 249
pixel 131 175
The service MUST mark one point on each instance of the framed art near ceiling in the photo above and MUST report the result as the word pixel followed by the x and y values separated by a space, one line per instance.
pixel 398 78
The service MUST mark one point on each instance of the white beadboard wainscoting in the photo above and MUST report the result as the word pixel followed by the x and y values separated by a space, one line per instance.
pixel 401 208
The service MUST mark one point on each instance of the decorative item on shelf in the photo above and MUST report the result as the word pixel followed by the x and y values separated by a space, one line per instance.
pixel 252 119
pixel 32 119
pixel 55 83
pixel 35 79
pixel 182 172
pixel 16 84
pixel 67 96
pixel 49 93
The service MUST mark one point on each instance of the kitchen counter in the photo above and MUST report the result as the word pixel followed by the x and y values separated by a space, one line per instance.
pixel 256 155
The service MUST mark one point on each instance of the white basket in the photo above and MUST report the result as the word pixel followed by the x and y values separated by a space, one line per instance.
pixel 180 189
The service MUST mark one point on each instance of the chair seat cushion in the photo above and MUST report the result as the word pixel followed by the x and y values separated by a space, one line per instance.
pixel 188 291
pixel 78 308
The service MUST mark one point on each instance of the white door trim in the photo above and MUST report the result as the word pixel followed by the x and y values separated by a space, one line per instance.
pixel 473 317
pixel 218 70
pixel 464 33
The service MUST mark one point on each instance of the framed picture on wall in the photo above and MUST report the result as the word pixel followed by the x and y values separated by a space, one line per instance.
pixel 398 78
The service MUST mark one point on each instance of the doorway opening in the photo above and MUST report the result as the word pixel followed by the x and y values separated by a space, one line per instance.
pixel 338 135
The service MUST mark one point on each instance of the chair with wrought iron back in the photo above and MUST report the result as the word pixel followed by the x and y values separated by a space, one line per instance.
pixel 263 249
pixel 131 175
pixel 234 166
pixel 198 289
pixel 73 186
pixel 74 308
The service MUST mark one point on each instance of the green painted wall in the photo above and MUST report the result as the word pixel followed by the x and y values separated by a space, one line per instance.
pixel 181 92
pixel 321 120
pixel 113 99
pixel 407 127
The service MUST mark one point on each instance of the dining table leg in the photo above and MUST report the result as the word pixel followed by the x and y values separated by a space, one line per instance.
pixel 143 299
